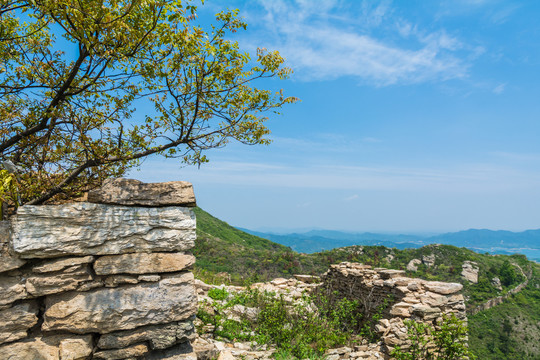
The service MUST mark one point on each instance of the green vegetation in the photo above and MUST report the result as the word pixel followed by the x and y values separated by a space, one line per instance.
pixel 447 340
pixel 243 258
pixel 295 329
pixel 73 72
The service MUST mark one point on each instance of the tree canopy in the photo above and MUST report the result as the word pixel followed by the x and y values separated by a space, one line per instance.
pixel 73 71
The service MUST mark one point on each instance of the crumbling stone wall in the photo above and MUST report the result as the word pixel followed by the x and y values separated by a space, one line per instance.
pixel 107 279
pixel 407 298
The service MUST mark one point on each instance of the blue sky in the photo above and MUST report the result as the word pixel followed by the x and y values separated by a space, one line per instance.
pixel 415 116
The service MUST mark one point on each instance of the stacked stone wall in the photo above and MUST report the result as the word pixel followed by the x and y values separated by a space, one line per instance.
pixel 398 297
pixel 107 279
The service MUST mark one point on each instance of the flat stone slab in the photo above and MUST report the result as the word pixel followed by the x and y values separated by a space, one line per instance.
pixel 132 192
pixel 98 229
pixel 61 347
pixel 61 264
pixel 442 287
pixel 143 263
pixel 69 279
pixel 106 310
pixel 158 336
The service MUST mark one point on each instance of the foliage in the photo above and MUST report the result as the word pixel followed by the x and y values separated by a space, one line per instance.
pixel 445 341
pixel 298 329
pixel 72 73
pixel 8 191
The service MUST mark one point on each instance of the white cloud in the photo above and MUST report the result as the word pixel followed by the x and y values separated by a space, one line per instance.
pixel 331 39
pixel 499 89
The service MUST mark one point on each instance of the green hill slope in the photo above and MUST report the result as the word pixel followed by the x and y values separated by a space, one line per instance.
pixel 508 331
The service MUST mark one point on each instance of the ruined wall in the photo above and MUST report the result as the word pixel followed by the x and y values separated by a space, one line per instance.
pixel 407 298
pixel 106 279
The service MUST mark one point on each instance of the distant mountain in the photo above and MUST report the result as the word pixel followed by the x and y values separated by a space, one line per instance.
pixel 490 238
pixel 483 240
pixel 320 240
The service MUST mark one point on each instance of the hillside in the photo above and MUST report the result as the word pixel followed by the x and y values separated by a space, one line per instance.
pixel 494 242
pixel 507 331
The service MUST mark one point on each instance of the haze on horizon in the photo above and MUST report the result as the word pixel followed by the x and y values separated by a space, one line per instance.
pixel 414 117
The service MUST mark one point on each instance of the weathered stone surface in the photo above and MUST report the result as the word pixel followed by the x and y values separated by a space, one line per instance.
pixel 61 264
pixel 69 279
pixel 97 229
pixel 470 271
pixel 131 352
pixel 143 263
pixel 106 310
pixel 132 192
pixel 8 259
pixel 49 348
pixel 115 280
pixel 11 289
pixel 15 321
pixel 442 287
pixel 159 336
pixel 76 348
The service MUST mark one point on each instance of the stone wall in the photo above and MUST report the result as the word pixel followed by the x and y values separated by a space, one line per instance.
pixel 405 298
pixel 106 279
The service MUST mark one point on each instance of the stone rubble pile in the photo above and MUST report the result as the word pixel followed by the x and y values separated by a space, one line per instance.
pixel 208 348
pixel 107 279
pixel 406 298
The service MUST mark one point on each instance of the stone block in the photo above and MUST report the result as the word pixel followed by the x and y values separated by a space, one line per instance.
pixel 442 287
pixel 106 310
pixel 69 279
pixel 158 336
pixel 11 289
pixel 8 259
pixel 60 347
pixel 61 264
pixel 97 229
pixel 132 352
pixel 15 321
pixel 143 263
pixel 132 192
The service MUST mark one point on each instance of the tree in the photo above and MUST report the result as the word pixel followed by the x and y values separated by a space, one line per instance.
pixel 73 72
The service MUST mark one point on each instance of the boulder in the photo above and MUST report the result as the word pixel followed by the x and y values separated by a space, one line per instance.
pixel 97 229
pixel 428 260
pixel 60 347
pixel 8 259
pixel 143 263
pixel 106 310
pixel 496 283
pixel 470 271
pixel 412 265
pixel 15 321
pixel 158 336
pixel 132 192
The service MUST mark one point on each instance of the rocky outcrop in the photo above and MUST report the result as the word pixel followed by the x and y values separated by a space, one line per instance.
pixel 413 265
pixel 100 281
pixel 470 271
